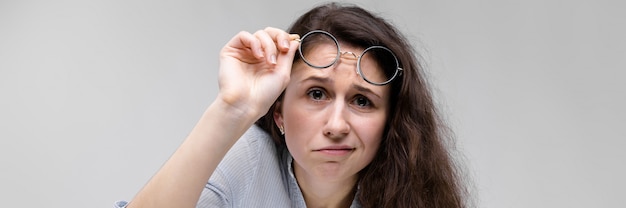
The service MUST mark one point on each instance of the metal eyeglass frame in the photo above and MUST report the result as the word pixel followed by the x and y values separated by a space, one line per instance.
pixel 397 73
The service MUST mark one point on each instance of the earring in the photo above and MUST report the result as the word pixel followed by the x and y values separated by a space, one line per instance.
pixel 282 131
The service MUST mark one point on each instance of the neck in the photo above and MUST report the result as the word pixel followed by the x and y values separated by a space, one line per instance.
pixel 325 193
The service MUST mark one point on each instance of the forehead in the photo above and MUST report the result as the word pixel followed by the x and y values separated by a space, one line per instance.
pixel 344 71
pixel 323 55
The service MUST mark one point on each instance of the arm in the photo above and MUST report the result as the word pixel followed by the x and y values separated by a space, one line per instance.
pixel 254 70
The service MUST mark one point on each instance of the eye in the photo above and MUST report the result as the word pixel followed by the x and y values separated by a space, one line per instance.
pixel 316 94
pixel 362 101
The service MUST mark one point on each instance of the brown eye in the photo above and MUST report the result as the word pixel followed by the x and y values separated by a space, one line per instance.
pixel 362 101
pixel 316 94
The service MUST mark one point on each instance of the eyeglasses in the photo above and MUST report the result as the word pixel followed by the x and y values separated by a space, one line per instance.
pixel 315 56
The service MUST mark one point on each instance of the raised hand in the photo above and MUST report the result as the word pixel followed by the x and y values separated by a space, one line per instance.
pixel 255 69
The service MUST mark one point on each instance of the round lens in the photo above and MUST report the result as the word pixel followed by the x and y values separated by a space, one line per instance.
pixel 319 49
pixel 378 65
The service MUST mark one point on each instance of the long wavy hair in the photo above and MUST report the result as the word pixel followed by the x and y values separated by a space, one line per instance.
pixel 414 166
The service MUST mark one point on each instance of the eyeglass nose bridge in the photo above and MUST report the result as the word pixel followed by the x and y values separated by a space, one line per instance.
pixel 349 52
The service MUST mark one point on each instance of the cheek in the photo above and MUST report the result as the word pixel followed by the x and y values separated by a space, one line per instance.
pixel 297 124
pixel 371 133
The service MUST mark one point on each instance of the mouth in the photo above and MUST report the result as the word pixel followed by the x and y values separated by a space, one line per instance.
pixel 335 151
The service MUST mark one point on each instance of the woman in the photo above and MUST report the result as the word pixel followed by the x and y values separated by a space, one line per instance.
pixel 352 121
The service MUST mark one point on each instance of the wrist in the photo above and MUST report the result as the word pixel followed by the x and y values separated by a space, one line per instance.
pixel 235 113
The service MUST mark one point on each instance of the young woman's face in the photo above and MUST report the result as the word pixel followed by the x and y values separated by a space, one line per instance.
pixel 333 119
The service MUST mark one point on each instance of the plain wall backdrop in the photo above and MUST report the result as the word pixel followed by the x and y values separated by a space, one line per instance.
pixel 96 95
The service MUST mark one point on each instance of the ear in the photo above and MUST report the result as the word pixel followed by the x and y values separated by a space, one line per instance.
pixel 278 114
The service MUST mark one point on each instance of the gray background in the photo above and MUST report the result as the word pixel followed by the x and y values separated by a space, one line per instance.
pixel 96 95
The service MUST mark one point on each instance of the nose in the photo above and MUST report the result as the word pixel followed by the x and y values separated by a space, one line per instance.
pixel 337 125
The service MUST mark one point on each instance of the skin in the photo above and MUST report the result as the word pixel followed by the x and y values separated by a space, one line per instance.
pixel 333 122
pixel 254 71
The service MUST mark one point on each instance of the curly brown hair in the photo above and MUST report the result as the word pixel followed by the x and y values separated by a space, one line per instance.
pixel 414 166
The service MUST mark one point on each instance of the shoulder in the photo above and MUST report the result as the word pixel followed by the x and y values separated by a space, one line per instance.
pixel 253 144
pixel 254 147
pixel 250 166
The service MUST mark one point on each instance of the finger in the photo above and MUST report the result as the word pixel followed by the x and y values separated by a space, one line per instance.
pixel 244 40
pixel 280 36
pixel 295 37
pixel 285 59
pixel 268 44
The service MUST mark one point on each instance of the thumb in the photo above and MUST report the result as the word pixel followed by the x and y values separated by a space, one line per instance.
pixel 285 59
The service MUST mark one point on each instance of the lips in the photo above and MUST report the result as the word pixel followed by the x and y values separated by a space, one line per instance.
pixel 335 150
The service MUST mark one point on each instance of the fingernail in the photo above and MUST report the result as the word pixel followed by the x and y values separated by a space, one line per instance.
pixel 285 44
pixel 273 59
pixel 259 53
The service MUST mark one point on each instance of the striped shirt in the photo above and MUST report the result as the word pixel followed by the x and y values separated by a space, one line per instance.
pixel 254 173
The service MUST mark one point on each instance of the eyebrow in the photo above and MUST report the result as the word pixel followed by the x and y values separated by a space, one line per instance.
pixel 328 80
pixel 318 79
pixel 365 90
